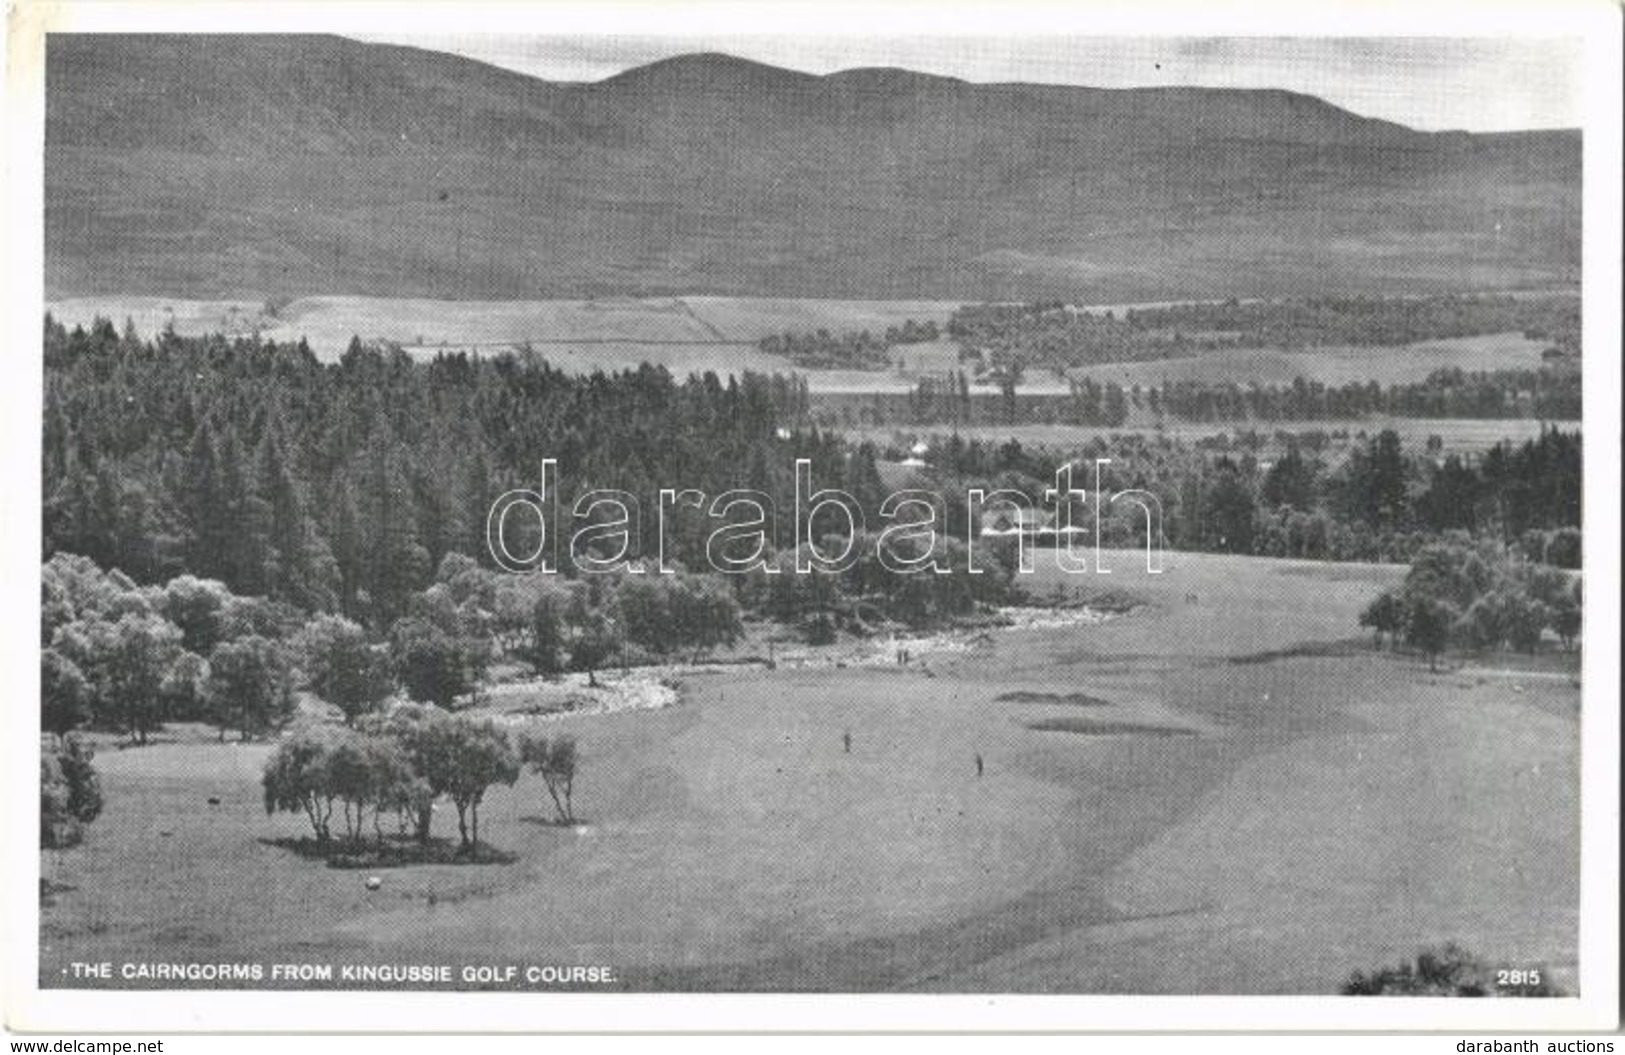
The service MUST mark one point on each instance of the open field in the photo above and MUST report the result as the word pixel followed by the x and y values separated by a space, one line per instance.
pixel 610 333
pixel 1339 365
pixel 1322 808
pixel 1333 365
pixel 689 334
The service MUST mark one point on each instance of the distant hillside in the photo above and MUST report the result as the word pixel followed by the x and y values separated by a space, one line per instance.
pixel 281 166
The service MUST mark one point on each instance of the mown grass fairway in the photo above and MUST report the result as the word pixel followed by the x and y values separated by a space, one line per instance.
pixel 1327 808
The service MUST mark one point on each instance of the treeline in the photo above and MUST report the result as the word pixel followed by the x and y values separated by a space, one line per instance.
pixel 1385 321
pixel 851 350
pixel 1058 337
pixel 1445 393
pixel 341 487
pixel 948 399
pixel 1381 502
pixel 121 657
pixel 1549 392
pixel 1053 336
pixel 1477 597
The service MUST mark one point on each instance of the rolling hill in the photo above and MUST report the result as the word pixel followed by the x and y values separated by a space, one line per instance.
pixel 286 166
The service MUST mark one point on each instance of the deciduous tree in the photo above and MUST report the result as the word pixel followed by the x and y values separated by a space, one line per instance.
pixel 555 761
pixel 343 667
pixel 250 685
pixel 464 757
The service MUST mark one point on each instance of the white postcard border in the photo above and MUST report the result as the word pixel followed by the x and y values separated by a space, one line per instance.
pixel 29 1008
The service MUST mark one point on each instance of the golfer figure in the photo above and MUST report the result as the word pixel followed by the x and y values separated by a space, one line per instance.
pixel 978 765
pixel 846 741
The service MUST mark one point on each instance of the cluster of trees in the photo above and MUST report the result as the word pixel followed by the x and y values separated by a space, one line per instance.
pixel 398 763
pixel 949 400
pixel 913 332
pixel 868 592
pixel 851 350
pixel 1008 339
pixel 1476 596
pixel 584 624
pixel 557 624
pixel 1053 336
pixel 941 400
pixel 1548 393
pixel 1377 501
pixel 1096 404
pixel 1552 393
pixel 242 489
pixel 341 487
pixel 124 657
pixel 1386 321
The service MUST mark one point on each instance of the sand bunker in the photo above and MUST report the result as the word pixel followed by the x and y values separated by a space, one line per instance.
pixel 1088 727
pixel 1068 699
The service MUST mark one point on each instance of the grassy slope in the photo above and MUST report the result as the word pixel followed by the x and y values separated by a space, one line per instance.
pixel 1335 810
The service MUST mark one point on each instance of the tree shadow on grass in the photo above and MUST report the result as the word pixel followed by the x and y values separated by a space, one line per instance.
pixel 1352 646
pixel 393 852
pixel 551 822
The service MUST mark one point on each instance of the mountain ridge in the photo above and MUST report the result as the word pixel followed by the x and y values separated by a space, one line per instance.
pixel 282 165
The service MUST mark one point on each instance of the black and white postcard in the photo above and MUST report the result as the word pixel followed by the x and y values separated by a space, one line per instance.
pixel 964 519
